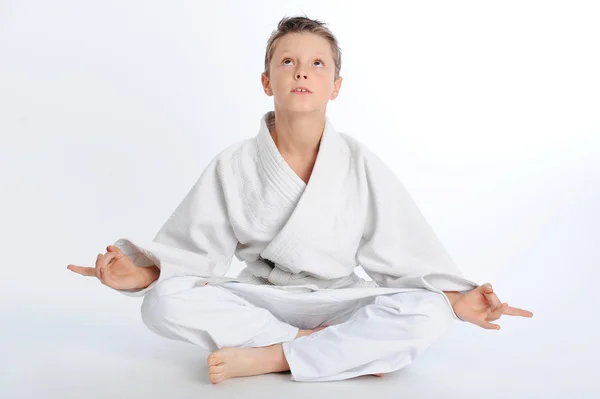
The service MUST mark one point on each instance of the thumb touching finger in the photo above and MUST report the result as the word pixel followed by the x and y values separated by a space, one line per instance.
pixel 486 288
pixel 112 248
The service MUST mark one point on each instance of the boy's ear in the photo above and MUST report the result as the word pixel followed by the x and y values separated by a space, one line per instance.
pixel 337 85
pixel 266 83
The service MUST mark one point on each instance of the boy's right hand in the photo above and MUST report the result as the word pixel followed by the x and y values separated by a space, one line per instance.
pixel 117 271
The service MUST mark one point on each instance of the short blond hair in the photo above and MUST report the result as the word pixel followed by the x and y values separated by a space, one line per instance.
pixel 303 25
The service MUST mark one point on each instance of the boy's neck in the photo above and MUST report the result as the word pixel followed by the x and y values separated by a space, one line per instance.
pixel 297 135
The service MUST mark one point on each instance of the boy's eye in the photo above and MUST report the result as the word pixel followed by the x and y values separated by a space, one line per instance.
pixel 289 59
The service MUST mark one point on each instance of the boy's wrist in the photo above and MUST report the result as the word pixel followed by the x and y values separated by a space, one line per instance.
pixel 148 276
pixel 453 296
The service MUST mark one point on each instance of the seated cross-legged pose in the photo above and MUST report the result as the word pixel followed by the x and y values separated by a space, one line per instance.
pixel 302 205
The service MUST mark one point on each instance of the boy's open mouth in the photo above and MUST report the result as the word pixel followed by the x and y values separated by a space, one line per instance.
pixel 301 90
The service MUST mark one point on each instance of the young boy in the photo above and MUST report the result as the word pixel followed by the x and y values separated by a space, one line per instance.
pixel 302 205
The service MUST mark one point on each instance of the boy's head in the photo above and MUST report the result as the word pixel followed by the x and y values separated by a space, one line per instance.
pixel 302 52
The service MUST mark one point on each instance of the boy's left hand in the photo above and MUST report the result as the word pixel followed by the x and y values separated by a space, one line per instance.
pixel 481 305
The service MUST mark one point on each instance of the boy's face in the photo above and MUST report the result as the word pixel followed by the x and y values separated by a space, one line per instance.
pixel 302 60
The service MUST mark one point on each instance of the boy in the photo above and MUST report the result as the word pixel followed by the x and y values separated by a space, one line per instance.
pixel 302 205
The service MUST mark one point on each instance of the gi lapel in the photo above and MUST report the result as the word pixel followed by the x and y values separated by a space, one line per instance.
pixel 274 166
pixel 316 218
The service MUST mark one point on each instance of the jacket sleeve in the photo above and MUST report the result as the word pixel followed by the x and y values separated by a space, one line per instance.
pixel 399 248
pixel 196 240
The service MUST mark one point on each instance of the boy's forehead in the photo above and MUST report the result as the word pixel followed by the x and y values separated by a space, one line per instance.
pixel 288 50
pixel 295 42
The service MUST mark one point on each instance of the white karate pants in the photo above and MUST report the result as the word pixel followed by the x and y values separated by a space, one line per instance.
pixel 366 335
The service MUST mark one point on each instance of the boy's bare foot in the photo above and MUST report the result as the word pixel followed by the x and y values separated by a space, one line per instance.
pixel 378 375
pixel 243 362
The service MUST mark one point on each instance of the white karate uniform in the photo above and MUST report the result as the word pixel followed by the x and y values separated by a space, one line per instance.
pixel 301 243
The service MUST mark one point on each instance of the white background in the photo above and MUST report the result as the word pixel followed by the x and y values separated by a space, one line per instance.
pixel 489 112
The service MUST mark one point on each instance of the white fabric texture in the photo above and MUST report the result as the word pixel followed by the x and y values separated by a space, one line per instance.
pixel 364 334
pixel 300 237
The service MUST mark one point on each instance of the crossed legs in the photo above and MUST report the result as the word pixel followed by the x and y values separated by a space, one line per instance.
pixel 371 335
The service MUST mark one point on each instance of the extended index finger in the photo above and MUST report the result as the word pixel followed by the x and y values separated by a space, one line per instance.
pixel 84 271
pixel 517 312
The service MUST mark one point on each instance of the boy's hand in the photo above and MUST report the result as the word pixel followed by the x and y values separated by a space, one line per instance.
pixel 117 271
pixel 481 305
